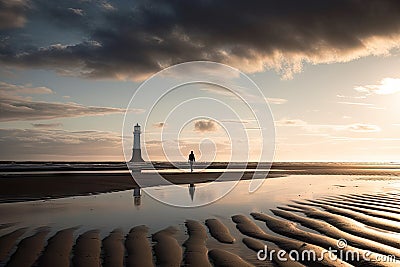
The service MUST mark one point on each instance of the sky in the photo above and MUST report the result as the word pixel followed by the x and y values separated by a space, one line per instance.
pixel 329 71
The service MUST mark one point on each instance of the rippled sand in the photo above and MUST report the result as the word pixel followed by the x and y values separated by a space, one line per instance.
pixel 368 222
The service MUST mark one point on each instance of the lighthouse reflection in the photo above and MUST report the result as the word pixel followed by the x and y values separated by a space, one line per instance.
pixel 137 196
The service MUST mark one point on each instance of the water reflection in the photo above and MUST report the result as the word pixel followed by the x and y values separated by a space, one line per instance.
pixel 110 210
pixel 192 188
pixel 137 196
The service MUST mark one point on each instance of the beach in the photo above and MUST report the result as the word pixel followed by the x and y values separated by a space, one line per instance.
pixel 105 219
pixel 46 181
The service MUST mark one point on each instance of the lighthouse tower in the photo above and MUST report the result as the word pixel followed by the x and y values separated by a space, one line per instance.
pixel 136 151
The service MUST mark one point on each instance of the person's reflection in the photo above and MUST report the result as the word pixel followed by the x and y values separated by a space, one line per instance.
pixel 192 188
pixel 137 196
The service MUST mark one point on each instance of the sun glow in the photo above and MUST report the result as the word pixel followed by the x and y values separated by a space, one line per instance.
pixel 387 86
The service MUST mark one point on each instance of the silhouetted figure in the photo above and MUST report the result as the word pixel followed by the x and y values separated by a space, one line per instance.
pixel 191 191
pixel 191 160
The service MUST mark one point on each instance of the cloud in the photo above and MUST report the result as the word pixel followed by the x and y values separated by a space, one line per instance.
pixel 14 107
pixel 361 104
pixel 76 11
pixel 159 125
pixel 47 125
pixel 13 13
pixel 19 109
pixel 356 127
pixel 359 127
pixel 107 6
pixel 290 122
pixel 276 101
pixel 369 139
pixel 51 144
pixel 137 38
pixel 356 103
pixel 351 97
pixel 205 126
pixel 386 86
pixel 13 89
pixel 235 121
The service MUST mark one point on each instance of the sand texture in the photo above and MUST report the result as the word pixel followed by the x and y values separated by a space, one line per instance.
pixel 29 249
pixel 368 222
pixel 8 241
pixel 196 250
pixel 167 249
pixel 223 258
pixel 138 248
pixel 87 250
pixel 219 231
pixel 113 249
pixel 58 249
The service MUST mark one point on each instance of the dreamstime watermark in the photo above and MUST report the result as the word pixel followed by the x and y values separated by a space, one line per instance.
pixel 204 106
pixel 339 253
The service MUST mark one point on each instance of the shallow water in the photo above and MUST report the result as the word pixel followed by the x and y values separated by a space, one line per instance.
pixel 122 209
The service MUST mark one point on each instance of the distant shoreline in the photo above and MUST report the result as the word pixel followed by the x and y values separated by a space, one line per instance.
pixel 11 166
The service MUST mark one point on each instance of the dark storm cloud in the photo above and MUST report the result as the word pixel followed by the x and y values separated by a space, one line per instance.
pixel 122 41
pixel 13 13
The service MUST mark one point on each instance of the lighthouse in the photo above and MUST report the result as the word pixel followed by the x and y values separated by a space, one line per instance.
pixel 136 151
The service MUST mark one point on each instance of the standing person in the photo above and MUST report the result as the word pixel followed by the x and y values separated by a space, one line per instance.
pixel 191 160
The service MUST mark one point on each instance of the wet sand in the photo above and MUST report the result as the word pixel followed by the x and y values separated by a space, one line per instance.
pixel 29 249
pixel 368 221
pixel 167 249
pixel 138 248
pixel 302 226
pixel 113 249
pixel 25 187
pixel 87 250
pixel 15 185
pixel 219 231
pixel 58 249
pixel 8 241
pixel 223 258
pixel 196 250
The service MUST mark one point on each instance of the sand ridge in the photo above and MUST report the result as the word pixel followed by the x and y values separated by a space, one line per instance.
pixel 306 225
pixel 349 225
pixel 87 250
pixel 249 228
pixel 113 249
pixel 139 253
pixel 196 250
pixel 29 249
pixel 223 258
pixel 219 231
pixel 290 229
pixel 167 249
pixel 58 249
pixel 8 241
pixel 257 245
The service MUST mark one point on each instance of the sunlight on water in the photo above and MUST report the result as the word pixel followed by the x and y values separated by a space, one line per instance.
pixel 134 207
